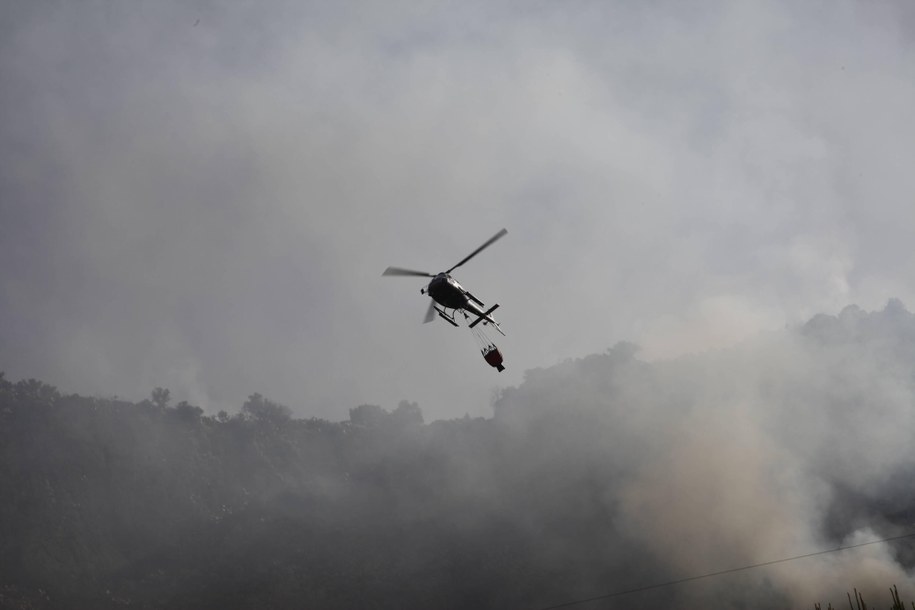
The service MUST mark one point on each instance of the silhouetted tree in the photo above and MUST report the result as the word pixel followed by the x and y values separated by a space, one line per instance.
pixel 188 411
pixel 368 416
pixel 35 390
pixel 161 397
pixel 407 413
pixel 259 409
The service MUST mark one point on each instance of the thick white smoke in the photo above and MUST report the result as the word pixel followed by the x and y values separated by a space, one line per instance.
pixel 785 445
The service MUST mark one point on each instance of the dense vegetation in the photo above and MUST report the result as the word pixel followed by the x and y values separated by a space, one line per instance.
pixel 107 503
pixel 562 495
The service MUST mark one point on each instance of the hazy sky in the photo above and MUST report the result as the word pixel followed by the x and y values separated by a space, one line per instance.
pixel 203 195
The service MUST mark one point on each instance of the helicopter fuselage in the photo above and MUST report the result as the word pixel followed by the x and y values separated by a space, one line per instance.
pixel 447 292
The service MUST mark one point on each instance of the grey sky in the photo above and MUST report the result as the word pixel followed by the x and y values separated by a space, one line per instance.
pixel 203 195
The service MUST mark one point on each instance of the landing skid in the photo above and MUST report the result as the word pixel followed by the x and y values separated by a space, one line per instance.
pixel 446 317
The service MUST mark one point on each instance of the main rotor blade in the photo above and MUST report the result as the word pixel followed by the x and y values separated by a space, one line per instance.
pixel 430 313
pixel 480 249
pixel 399 271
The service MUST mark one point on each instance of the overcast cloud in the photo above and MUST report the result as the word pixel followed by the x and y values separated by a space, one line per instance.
pixel 203 195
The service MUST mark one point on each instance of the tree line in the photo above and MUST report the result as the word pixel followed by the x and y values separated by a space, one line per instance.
pixel 594 475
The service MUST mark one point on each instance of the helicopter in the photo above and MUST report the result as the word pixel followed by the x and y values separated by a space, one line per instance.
pixel 447 292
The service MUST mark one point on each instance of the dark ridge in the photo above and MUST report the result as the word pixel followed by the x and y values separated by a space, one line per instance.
pixel 108 503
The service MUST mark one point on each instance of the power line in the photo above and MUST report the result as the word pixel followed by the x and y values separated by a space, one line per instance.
pixel 721 573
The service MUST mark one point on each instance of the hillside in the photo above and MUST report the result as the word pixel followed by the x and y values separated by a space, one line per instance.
pixel 595 475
